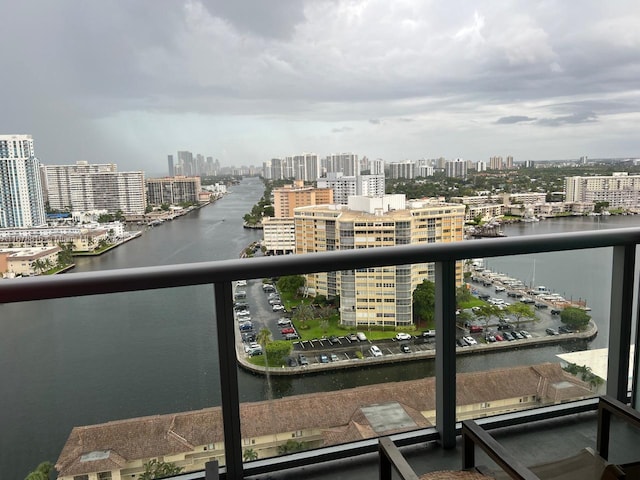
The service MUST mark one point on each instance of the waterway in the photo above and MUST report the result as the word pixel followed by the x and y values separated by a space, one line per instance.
pixel 88 360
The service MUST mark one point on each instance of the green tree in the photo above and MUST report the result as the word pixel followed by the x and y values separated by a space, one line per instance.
pixel 521 312
pixel 105 218
pixel 264 338
pixel 41 472
pixel 39 265
pixel 486 312
pixel 575 317
pixel 304 312
pixel 155 469
pixel 463 295
pixel 424 301
pixel 249 454
pixel 291 284
pixel 600 206
pixel 65 256
pixel 278 351
pixel 164 207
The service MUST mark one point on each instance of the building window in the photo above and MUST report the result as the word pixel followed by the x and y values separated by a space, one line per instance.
pixel 81 477
pixel 104 475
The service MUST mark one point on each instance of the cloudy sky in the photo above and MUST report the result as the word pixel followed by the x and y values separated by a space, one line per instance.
pixel 131 81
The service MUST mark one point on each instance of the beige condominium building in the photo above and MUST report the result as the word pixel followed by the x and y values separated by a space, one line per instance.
pixel 173 190
pixel 619 190
pixel 376 296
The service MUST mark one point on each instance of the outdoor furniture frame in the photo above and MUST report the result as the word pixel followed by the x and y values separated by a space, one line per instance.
pixel 474 435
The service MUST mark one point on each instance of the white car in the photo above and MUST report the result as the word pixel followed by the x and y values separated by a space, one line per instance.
pixel 243 313
pixel 470 340
pixel 241 283
pixel 283 322
pixel 277 307
pixel 403 336
pixel 375 351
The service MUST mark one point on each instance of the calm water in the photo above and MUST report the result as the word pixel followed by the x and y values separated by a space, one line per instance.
pixel 89 360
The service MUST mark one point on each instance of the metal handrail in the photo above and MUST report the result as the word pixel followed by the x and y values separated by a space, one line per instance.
pixel 188 274
pixel 220 274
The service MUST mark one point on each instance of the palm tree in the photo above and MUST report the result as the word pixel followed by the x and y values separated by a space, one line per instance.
pixel 249 454
pixel 304 312
pixel 39 265
pixel 41 472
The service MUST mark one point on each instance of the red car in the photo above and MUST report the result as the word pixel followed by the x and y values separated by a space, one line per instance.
pixel 284 331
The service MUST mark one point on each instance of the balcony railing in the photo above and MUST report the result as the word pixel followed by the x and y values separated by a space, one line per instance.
pixel 221 274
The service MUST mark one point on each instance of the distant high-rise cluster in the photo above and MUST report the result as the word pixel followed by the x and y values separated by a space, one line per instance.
pixel 21 196
pixel 189 165
pixel 498 163
pixel 309 167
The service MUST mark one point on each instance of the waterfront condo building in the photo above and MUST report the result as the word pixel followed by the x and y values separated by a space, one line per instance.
pixel 83 187
pixel 346 163
pixel 619 190
pixel 376 296
pixel 58 180
pixel 21 196
pixel 173 190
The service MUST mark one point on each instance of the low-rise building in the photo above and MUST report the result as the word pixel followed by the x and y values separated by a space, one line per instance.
pixel 119 449
pixel 28 261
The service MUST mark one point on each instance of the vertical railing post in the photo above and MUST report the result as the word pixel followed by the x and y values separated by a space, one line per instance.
pixel 223 294
pixel 446 352
pixel 620 320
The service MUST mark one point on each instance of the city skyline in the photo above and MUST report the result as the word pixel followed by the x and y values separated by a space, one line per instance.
pixel 132 83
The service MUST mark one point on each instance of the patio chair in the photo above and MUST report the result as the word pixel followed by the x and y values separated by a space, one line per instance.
pixel 586 464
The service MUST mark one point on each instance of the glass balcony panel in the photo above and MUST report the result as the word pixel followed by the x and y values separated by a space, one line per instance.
pixel 508 361
pixel 160 358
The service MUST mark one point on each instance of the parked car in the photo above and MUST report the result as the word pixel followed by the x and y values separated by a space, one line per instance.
pixel 267 287
pixel 292 362
pixel 246 326
pixel 286 330
pixel 243 313
pixel 275 301
pixel 564 329
pixel 283 322
pixel 334 357
pixel 353 337
pixel 324 358
pixel 248 337
pixel 551 331
pixel 302 360
pixel 541 305
pixel 404 348
pixel 403 336
pixel 333 340
pixel 489 337
pixel 470 340
pixel 291 336
pixel 461 342
pixel 528 301
pixel 278 308
pixel 429 333
pixel 498 337
pixel 508 336
pixel 525 334
pixel 475 329
pixel 375 351
pixel 241 283
pixel 555 311
pixel 361 336
pixel 515 334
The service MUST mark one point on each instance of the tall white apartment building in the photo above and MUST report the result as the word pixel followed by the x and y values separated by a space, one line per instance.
pixel 173 190
pixel 346 186
pixel 21 196
pixel 83 187
pixel 496 163
pixel 380 296
pixel 620 190
pixel 306 167
pixel 57 181
pixel 376 167
pixel 456 168
pixel 402 169
pixel 347 163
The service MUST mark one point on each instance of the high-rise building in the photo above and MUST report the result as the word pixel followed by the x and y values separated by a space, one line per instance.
pixel 345 186
pixel 21 196
pixel 58 180
pixel 376 167
pixel 456 168
pixel 287 198
pixel 347 163
pixel 170 162
pixel 306 167
pixel 496 163
pixel 110 191
pixel 173 190
pixel 375 296
pixel 402 169
pixel 185 166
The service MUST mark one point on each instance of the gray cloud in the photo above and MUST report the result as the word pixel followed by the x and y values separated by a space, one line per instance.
pixel 514 119
pixel 127 81
pixel 576 118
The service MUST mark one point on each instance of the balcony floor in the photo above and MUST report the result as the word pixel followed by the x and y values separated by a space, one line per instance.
pixel 532 443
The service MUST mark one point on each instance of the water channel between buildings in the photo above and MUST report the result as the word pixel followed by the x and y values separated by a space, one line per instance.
pixel 87 360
